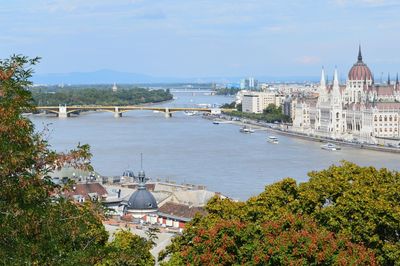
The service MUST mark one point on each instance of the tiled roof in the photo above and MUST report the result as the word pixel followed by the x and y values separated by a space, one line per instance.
pixel 180 210
pixel 384 90
pixel 360 71
pixel 149 187
pixel 386 105
pixel 86 189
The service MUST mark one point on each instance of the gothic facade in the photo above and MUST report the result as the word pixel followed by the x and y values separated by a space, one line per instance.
pixel 358 110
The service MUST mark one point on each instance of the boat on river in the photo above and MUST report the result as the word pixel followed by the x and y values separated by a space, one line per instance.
pixel 246 130
pixel 191 113
pixel 273 140
pixel 215 122
pixel 330 147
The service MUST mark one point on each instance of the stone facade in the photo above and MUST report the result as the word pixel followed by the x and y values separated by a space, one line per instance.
pixel 360 110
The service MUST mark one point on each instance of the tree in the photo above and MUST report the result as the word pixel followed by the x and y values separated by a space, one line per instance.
pixel 151 234
pixel 127 249
pixel 358 206
pixel 231 105
pixel 359 202
pixel 239 107
pixel 38 225
pixel 286 240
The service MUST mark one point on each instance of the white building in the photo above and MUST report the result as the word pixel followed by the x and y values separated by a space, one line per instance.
pixel 256 102
pixel 359 110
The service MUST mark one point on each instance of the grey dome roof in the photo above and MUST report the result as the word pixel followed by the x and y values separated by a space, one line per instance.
pixel 128 173
pixel 142 200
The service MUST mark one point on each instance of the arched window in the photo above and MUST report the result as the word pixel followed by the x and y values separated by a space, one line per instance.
pixel 390 118
pixel 385 118
pixel 380 118
pixel 337 115
pixel 375 118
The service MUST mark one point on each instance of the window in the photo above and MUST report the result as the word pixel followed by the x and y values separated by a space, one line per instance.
pixel 385 118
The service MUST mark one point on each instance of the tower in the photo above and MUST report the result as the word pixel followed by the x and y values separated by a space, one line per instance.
pixel 337 125
pixel 114 88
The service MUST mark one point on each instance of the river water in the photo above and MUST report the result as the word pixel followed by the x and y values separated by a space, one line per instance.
pixel 190 149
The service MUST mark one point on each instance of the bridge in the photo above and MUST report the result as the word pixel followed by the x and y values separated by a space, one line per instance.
pixel 65 111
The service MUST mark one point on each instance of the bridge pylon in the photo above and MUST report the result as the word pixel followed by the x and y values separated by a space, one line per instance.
pixel 117 113
pixel 168 114
pixel 62 111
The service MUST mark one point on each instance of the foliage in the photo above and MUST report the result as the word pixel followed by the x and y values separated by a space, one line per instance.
pixel 287 240
pixel 127 249
pixel 231 105
pixel 96 96
pixel 38 225
pixel 360 202
pixel 227 91
pixel 356 207
pixel 151 234
pixel 239 107
pixel 270 115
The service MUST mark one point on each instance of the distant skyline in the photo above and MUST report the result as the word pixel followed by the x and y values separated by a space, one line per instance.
pixel 208 38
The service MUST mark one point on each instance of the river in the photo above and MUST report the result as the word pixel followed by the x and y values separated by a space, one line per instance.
pixel 190 149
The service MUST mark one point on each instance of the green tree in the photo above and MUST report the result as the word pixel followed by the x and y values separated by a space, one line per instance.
pixel 38 225
pixel 359 202
pixel 285 240
pixel 151 234
pixel 127 249
pixel 359 206
pixel 97 96
pixel 231 105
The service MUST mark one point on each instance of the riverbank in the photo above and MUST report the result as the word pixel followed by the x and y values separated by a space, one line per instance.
pixel 276 128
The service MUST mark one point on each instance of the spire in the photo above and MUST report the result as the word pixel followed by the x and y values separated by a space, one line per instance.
pixel 397 79
pixel 336 95
pixel 335 78
pixel 323 82
pixel 359 54
pixel 388 82
pixel 141 175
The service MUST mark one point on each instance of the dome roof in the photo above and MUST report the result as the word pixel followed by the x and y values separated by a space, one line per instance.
pixel 128 173
pixel 360 71
pixel 142 199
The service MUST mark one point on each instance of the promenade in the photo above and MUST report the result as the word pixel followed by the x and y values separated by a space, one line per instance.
pixel 276 128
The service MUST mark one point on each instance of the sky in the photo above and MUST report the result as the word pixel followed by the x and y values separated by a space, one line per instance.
pixel 203 38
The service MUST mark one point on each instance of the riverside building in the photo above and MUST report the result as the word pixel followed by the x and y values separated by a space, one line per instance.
pixel 359 110
pixel 256 102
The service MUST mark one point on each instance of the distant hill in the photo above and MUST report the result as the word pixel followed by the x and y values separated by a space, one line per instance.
pixel 106 76
pixel 95 77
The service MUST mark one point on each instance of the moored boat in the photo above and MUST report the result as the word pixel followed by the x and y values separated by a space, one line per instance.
pixel 246 130
pixel 330 147
pixel 273 139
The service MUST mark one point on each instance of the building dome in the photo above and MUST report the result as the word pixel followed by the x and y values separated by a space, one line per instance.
pixel 142 199
pixel 128 173
pixel 360 71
